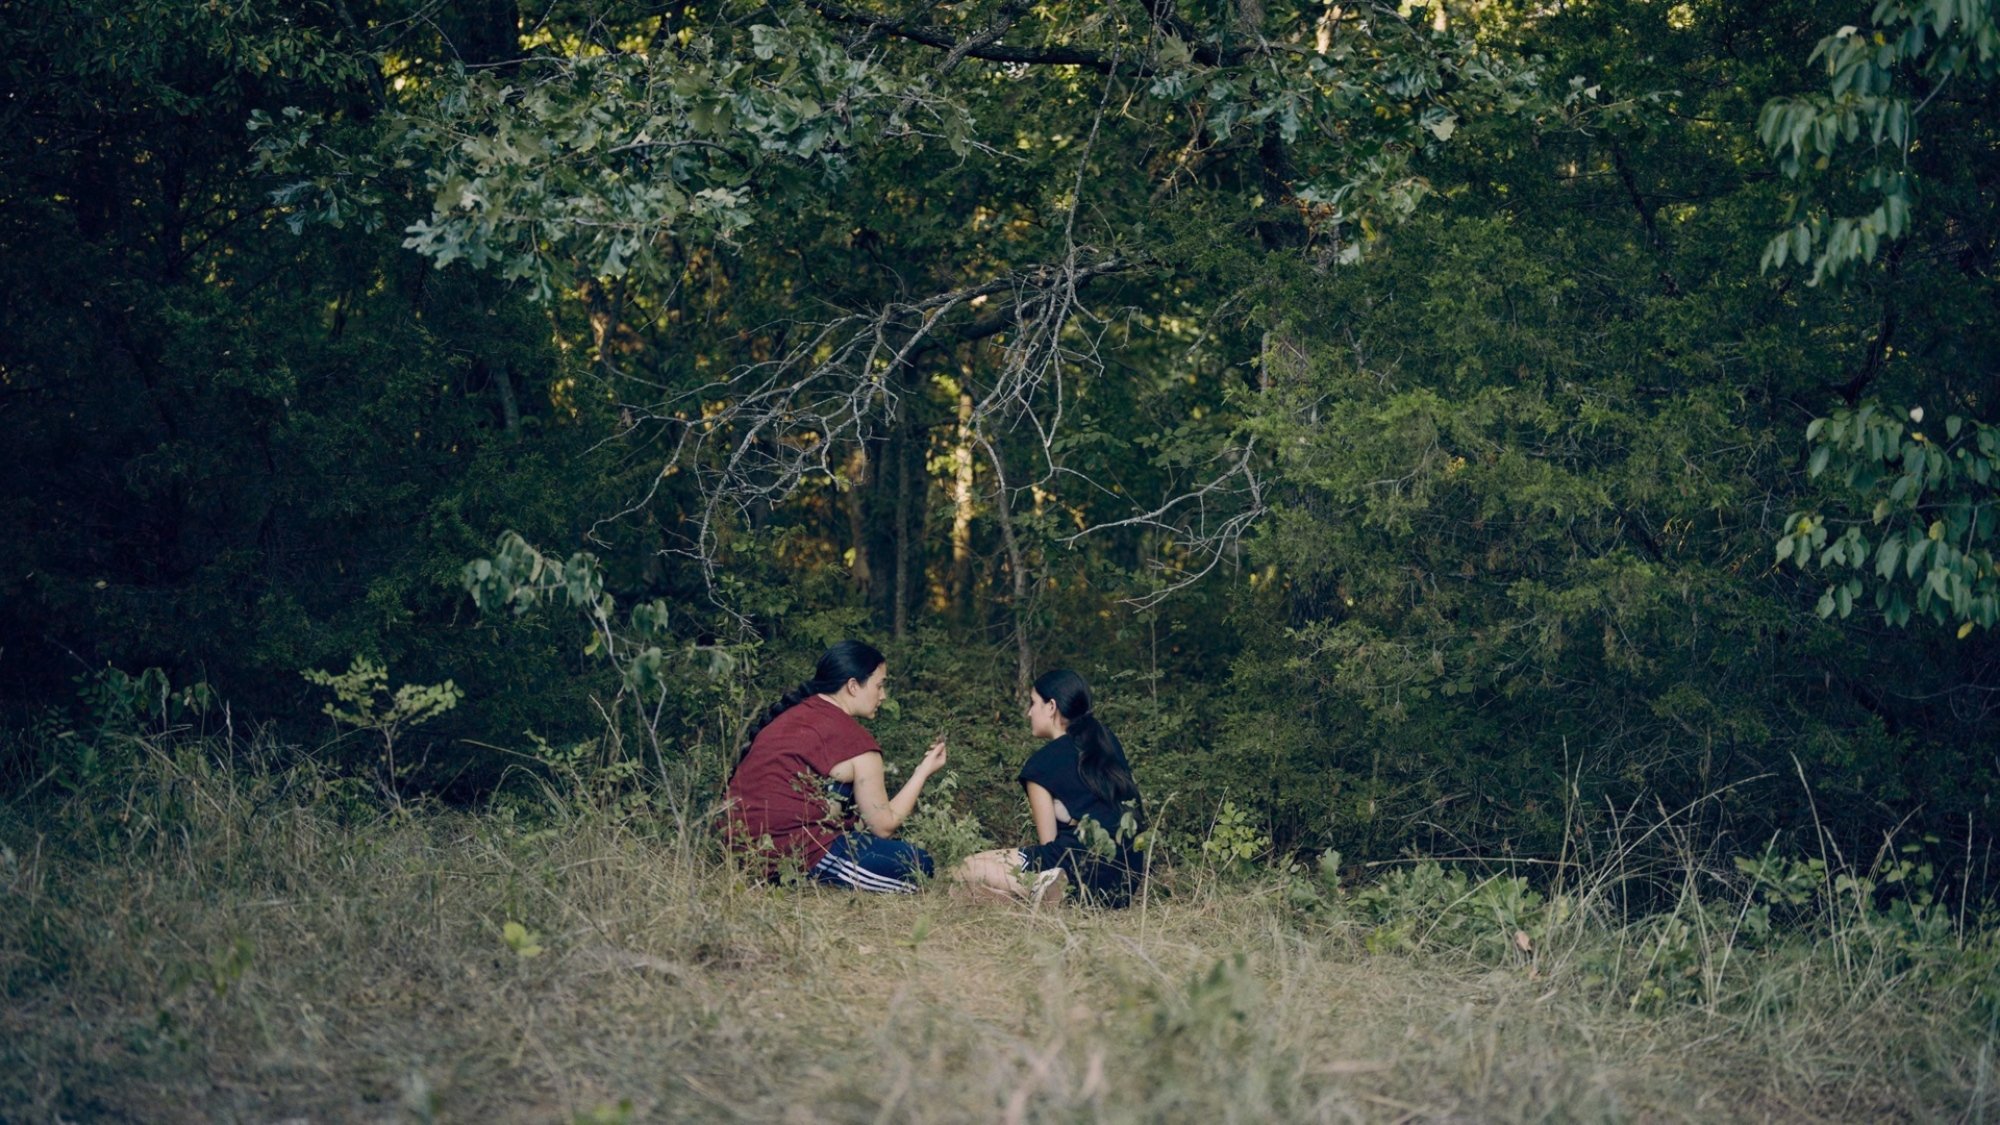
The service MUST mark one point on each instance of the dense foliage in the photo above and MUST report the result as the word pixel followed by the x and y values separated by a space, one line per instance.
pixel 1403 415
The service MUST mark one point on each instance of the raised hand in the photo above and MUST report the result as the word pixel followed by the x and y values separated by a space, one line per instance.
pixel 935 757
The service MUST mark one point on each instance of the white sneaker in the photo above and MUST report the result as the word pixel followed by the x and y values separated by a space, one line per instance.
pixel 1043 881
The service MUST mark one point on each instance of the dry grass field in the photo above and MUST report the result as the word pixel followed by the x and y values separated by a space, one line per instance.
pixel 206 948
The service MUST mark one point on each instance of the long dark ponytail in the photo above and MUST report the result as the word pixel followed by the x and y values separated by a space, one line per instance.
pixel 1100 759
pixel 846 660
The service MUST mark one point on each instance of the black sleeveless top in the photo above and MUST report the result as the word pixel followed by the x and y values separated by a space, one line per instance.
pixel 1054 767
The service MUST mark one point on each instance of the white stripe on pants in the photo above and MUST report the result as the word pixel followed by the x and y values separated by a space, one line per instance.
pixel 854 875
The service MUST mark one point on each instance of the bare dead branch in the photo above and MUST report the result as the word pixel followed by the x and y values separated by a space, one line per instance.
pixel 1202 525
pixel 758 435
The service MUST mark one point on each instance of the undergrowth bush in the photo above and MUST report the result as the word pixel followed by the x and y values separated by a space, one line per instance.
pixel 1882 928
pixel 940 829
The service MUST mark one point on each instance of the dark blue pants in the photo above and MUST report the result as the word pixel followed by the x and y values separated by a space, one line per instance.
pixel 869 863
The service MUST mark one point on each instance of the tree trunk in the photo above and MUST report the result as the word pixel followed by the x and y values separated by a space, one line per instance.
pixel 510 411
pixel 606 310
pixel 900 614
pixel 851 502
pixel 961 512
pixel 924 593
pixel 1017 566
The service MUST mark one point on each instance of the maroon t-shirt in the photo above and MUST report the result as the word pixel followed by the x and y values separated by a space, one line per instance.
pixel 779 790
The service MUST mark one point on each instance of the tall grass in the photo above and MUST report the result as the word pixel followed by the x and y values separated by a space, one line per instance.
pixel 195 938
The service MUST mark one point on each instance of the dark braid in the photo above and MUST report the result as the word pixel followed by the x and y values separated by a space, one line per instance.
pixel 846 660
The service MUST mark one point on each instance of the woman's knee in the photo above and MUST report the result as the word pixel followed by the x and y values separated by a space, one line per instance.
pixel 1003 861
pixel 998 870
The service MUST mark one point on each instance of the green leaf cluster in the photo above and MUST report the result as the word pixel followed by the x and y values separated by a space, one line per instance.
pixel 1929 542
pixel 1879 79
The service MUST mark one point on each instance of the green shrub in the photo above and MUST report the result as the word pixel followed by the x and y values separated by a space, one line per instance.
pixel 940 828
pixel 1427 905
pixel 1234 842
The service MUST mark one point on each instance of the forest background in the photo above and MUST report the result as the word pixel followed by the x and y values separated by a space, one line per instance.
pixel 1518 475
pixel 1433 430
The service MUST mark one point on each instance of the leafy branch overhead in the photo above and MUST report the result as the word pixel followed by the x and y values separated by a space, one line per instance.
pixel 1879 81
pixel 603 162
pixel 565 166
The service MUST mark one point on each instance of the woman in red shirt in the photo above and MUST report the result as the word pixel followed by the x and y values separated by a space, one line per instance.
pixel 810 773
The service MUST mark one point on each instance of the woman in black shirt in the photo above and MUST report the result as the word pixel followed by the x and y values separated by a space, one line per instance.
pixel 1085 806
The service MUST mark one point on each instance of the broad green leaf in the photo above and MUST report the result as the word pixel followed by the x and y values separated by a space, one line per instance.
pixel 1888 555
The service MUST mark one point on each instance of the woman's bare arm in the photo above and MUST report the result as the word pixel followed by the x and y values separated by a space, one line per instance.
pixel 1043 808
pixel 882 813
